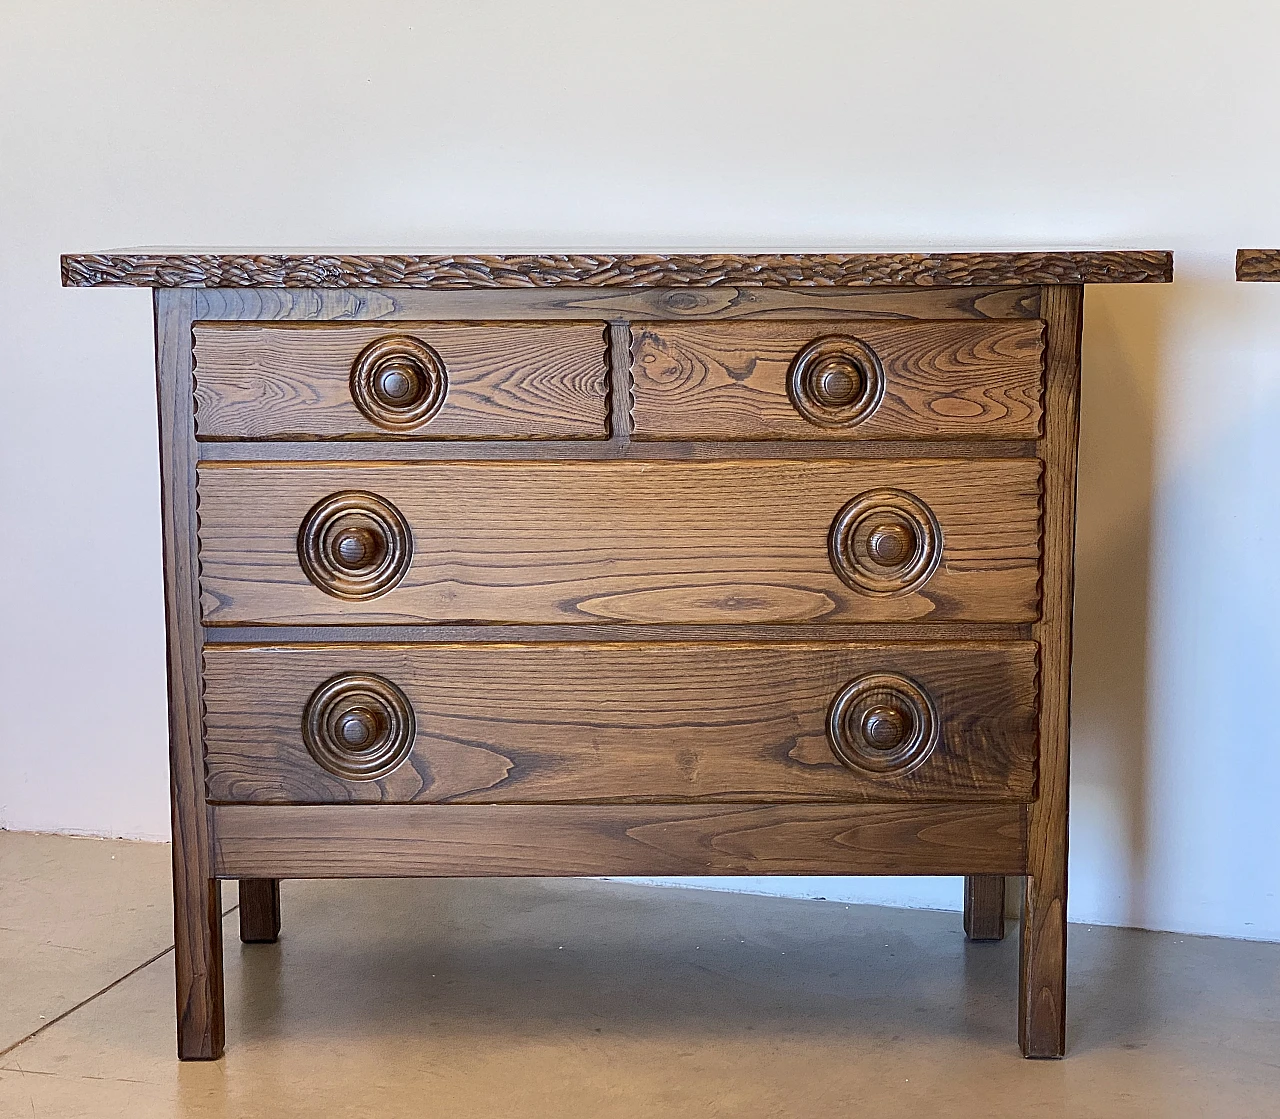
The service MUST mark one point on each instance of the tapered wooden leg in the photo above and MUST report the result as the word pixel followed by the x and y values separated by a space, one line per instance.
pixel 984 906
pixel 259 910
pixel 197 905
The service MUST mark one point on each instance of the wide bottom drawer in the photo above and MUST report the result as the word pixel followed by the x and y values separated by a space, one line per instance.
pixel 620 723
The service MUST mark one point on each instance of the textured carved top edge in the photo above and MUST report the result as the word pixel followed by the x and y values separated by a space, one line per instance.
pixel 630 270
pixel 1258 265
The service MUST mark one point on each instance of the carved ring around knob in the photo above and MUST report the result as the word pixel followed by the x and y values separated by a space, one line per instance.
pixel 358 726
pixel 354 545
pixel 836 381
pixel 882 725
pixel 885 542
pixel 398 382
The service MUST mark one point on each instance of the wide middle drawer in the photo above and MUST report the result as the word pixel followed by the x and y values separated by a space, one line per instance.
pixel 641 542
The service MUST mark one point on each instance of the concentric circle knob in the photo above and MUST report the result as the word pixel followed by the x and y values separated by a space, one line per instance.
pixel 885 542
pixel 882 725
pixel 892 543
pixel 399 382
pixel 358 726
pixel 357 546
pixel 836 381
pixel 354 545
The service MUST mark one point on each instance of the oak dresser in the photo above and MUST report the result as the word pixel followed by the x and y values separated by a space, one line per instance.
pixel 618 565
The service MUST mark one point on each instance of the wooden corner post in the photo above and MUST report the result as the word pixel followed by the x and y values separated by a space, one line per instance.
pixel 1043 973
pixel 197 896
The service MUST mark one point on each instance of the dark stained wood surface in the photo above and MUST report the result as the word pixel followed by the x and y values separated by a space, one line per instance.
pixel 586 542
pixel 1043 974
pixel 616 304
pixel 654 542
pixel 1258 264
pixel 942 380
pixel 638 270
pixel 984 907
pixel 621 723
pixel 259 910
pixel 399 840
pixel 577 450
pixel 778 634
pixel 505 380
pixel 197 899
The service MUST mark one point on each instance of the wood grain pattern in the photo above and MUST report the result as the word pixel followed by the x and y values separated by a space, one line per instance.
pixel 612 449
pixel 984 907
pixel 390 840
pixel 1043 973
pixel 778 634
pixel 197 899
pixel 637 270
pixel 1254 265
pixel 959 380
pixel 614 304
pixel 725 542
pixel 621 723
pixel 259 910
pixel 505 380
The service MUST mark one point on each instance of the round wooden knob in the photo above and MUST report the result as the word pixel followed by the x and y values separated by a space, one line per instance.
pixel 836 381
pixel 354 545
pixel 882 725
pixel 398 382
pixel 885 542
pixel 358 726
pixel 357 543
pixel 891 543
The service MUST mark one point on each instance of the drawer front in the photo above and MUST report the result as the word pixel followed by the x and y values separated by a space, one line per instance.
pixel 659 723
pixel 731 542
pixel 416 380
pixel 837 380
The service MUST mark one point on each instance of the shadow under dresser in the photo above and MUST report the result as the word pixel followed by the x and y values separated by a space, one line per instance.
pixel 618 565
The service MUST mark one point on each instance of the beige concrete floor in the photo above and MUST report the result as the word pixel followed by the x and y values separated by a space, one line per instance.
pixel 576 998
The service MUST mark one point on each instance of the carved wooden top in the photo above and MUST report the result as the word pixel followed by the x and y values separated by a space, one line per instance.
pixel 165 269
pixel 1258 264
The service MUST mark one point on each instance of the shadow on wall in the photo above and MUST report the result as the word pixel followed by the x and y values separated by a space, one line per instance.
pixel 1120 383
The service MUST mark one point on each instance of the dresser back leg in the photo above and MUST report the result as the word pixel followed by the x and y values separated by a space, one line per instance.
pixel 984 906
pixel 259 910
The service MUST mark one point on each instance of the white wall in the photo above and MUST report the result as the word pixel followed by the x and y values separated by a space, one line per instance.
pixel 731 124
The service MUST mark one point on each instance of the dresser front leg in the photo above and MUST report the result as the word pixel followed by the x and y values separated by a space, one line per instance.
pixel 984 906
pixel 1042 979
pixel 259 910
pixel 197 904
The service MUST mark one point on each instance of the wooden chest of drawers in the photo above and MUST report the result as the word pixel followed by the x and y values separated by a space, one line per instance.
pixel 618 565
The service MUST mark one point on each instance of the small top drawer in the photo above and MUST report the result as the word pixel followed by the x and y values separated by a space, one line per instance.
pixel 838 380
pixel 403 379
